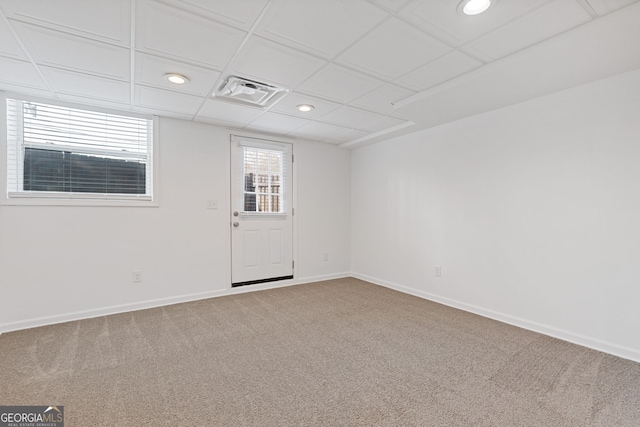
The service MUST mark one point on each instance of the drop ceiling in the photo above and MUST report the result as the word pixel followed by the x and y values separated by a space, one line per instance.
pixel 372 68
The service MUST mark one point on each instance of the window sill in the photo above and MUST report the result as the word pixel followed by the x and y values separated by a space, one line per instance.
pixel 46 199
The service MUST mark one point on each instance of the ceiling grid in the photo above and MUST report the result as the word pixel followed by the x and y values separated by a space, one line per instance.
pixel 371 68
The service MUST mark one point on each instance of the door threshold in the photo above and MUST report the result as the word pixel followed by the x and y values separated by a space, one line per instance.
pixel 255 282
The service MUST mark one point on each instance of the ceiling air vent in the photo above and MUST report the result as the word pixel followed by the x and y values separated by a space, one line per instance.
pixel 245 91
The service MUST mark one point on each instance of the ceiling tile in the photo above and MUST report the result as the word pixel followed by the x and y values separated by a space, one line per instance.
pixel 339 84
pixel 277 122
pixel 57 49
pixel 442 19
pixel 442 69
pixel 381 123
pixel 602 7
pixel 175 33
pixel 240 14
pixel 69 82
pixel 349 135
pixel 161 112
pixel 8 44
pixel 20 73
pixel 108 20
pixel 394 5
pixel 25 90
pixel 83 100
pixel 349 117
pixel 379 54
pixel 317 131
pixel 322 27
pixel 228 112
pixel 544 22
pixel 289 103
pixel 151 71
pixel 382 99
pixel 165 100
pixel 270 62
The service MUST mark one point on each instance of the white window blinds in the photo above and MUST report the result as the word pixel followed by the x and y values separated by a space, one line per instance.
pixel 263 168
pixel 60 151
pixel 263 176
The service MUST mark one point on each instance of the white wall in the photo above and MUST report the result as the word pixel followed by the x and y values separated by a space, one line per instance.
pixel 533 212
pixel 323 204
pixel 61 263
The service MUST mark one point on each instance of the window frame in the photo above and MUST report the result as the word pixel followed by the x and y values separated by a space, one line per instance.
pixel 75 199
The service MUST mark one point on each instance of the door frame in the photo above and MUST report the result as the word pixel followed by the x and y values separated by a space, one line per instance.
pixel 294 209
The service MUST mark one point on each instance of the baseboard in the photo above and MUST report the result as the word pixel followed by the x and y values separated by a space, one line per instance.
pixel 104 311
pixel 585 341
pixel 311 279
pixel 160 302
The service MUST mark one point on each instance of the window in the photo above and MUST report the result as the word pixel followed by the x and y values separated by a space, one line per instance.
pixel 263 170
pixel 63 152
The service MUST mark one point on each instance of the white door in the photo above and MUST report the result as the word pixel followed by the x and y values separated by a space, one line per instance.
pixel 261 212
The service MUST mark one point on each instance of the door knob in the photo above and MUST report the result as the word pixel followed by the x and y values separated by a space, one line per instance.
pixel 236 224
pixel 235 213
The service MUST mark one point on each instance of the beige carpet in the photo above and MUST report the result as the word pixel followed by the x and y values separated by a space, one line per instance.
pixel 341 352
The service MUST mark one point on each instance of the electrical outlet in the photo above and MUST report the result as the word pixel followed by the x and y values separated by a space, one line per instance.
pixel 137 276
pixel 212 204
pixel 438 271
pixel 326 257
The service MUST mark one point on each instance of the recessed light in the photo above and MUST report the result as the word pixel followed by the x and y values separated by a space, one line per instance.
pixel 475 7
pixel 175 78
pixel 305 108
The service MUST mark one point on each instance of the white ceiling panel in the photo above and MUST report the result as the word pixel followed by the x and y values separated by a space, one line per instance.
pixel 8 44
pixel 382 99
pixel 241 14
pixel 62 50
pixel 277 122
pixel 318 131
pixel 238 115
pixel 26 90
pixel 378 52
pixel 442 69
pixel 84 100
pixel 542 23
pixel 348 135
pixel 322 27
pixel 69 82
pixel 379 124
pixel 20 73
pixel 394 5
pixel 289 103
pixel 262 59
pixel 442 19
pixel 339 84
pixel 175 33
pixel 150 70
pixel 165 100
pixel 349 117
pixel 108 20
pixel 602 7
pixel 163 113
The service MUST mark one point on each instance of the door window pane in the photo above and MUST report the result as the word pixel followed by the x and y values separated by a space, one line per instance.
pixel 262 180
